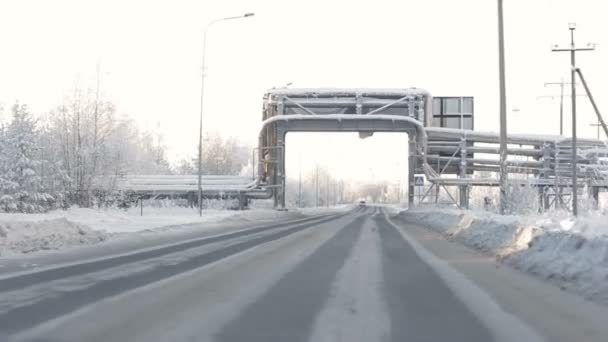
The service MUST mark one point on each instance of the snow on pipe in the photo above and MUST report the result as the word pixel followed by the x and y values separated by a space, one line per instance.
pixel 185 183
pixel 492 137
pixel 446 133
pixel 349 92
pixel 525 163
pixel 420 129
pixel 485 150
pixel 421 136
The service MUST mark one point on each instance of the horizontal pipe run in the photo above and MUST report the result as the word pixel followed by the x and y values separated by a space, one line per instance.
pixel 437 133
pixel 488 150
pixel 522 170
pixel 345 103
pixel 488 161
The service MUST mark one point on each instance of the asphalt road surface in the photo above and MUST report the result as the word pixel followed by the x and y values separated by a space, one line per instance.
pixel 352 276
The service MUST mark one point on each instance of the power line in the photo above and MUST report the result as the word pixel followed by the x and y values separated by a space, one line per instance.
pixel 561 84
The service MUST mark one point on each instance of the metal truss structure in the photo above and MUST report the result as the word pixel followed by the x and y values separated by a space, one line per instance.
pixel 446 156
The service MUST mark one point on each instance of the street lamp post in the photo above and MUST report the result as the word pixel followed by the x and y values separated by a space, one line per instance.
pixel 503 111
pixel 200 127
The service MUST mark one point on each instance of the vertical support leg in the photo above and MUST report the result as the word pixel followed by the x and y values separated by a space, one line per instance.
pixel 275 197
pixel 464 189
pixel 274 167
pixel 412 161
pixel 281 166
pixel 436 193
pixel 546 200
pixel 595 192
pixel 464 196
pixel 544 190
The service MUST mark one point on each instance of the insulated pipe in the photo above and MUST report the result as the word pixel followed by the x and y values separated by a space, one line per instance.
pixel 436 133
pixel 324 102
pixel 486 150
pixel 420 129
pixel 347 92
pixel 524 163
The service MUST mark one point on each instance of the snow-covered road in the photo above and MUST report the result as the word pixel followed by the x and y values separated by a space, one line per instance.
pixel 346 276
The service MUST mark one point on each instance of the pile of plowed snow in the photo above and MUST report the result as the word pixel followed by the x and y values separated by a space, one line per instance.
pixel 18 237
pixel 572 253
pixel 59 229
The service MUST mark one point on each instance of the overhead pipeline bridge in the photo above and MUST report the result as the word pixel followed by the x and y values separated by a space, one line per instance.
pixel 443 146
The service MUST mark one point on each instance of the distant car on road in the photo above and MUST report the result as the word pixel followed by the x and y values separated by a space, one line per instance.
pixel 362 203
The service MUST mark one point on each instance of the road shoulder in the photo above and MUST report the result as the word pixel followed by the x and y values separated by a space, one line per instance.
pixel 554 314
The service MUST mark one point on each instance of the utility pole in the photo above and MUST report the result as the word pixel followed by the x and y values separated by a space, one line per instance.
pixel 503 111
pixel 327 190
pixel 598 125
pixel 317 186
pixel 300 184
pixel 561 84
pixel 333 193
pixel 573 49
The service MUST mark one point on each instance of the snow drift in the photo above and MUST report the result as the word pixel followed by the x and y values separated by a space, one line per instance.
pixel 573 254
pixel 31 236
pixel 59 229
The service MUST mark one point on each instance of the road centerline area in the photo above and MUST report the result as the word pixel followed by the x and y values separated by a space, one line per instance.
pixel 287 311
pixel 356 310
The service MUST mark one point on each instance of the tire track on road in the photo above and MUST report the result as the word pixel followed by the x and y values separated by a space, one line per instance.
pixel 287 311
pixel 22 318
pixel 19 281
pixel 421 306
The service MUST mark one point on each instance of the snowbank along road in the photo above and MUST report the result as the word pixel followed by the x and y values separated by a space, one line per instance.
pixel 354 276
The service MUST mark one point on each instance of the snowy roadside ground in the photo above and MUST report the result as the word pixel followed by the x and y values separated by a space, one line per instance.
pixel 572 254
pixel 121 221
pixel 42 235
pixel 26 233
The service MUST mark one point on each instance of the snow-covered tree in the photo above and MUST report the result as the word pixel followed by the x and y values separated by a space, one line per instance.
pixel 185 167
pixel 223 156
pixel 22 188
pixel 74 154
pixel 54 178
pixel 7 186
pixel 94 147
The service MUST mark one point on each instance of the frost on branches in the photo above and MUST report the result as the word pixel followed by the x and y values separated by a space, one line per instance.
pixel 21 186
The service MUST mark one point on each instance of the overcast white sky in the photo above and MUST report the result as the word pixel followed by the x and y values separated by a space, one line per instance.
pixel 150 57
